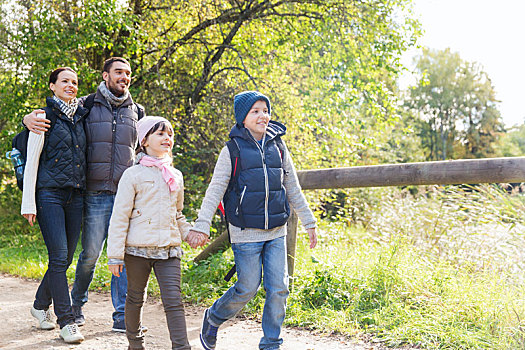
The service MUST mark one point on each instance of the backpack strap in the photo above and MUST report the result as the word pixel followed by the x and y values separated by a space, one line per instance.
pixel 89 102
pixel 140 110
pixel 235 154
pixel 280 144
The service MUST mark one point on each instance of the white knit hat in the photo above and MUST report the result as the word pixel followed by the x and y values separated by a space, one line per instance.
pixel 145 124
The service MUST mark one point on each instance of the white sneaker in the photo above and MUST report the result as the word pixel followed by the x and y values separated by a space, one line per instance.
pixel 71 334
pixel 43 317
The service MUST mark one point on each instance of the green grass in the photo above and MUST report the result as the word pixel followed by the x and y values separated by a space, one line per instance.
pixel 441 270
pixel 402 296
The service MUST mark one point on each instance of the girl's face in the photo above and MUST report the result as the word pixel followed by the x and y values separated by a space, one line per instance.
pixel 257 120
pixel 160 142
pixel 66 86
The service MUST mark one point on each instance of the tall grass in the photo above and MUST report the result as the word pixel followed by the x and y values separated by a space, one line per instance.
pixel 442 270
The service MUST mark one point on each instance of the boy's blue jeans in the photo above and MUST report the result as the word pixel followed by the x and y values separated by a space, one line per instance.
pixel 98 206
pixel 59 215
pixel 252 260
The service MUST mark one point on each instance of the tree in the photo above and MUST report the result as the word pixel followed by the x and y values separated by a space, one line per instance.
pixel 329 66
pixel 457 107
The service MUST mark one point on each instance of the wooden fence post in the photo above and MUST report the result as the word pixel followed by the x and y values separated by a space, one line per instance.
pixel 291 242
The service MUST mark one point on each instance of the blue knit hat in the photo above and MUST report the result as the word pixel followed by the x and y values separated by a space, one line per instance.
pixel 243 102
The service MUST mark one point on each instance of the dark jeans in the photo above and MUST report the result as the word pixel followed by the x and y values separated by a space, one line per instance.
pixel 168 276
pixel 98 206
pixel 59 214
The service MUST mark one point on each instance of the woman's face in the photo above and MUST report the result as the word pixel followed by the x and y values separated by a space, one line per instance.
pixel 66 86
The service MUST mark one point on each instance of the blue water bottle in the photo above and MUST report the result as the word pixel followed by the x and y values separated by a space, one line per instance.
pixel 18 163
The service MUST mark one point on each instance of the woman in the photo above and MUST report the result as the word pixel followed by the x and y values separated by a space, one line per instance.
pixel 54 177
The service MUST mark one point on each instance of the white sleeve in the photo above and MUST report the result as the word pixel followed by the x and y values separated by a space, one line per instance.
pixel 35 144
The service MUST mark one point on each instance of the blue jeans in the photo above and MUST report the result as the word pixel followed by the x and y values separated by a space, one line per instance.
pixel 59 214
pixel 97 212
pixel 253 259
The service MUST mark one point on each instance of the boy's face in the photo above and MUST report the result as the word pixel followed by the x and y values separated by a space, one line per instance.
pixel 257 119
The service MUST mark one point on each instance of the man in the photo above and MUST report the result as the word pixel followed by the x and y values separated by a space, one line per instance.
pixel 111 137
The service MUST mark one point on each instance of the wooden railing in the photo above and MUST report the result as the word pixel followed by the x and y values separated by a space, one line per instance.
pixel 451 172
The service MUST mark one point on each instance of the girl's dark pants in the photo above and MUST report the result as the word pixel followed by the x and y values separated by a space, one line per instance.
pixel 168 275
pixel 59 214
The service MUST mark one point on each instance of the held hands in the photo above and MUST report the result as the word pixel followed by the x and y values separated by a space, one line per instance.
pixel 116 269
pixel 36 121
pixel 31 218
pixel 196 239
pixel 312 235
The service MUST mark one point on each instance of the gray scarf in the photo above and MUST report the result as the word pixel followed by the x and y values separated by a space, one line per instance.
pixel 68 108
pixel 112 99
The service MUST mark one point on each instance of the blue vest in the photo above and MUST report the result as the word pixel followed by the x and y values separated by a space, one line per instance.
pixel 258 199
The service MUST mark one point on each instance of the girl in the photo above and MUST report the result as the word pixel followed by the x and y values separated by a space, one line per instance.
pixel 56 168
pixel 146 229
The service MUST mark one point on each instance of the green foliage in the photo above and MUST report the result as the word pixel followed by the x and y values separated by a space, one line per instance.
pixel 204 282
pixel 329 67
pixel 451 92
pixel 512 143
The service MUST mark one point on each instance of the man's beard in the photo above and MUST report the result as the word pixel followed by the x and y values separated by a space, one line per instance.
pixel 114 91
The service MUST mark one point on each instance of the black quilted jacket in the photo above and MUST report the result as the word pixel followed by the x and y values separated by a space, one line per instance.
pixel 63 159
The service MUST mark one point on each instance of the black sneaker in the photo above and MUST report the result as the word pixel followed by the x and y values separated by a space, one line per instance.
pixel 208 334
pixel 79 316
pixel 120 327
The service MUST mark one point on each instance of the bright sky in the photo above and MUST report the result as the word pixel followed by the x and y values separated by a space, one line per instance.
pixel 490 32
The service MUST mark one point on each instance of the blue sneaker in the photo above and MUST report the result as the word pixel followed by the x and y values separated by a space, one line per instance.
pixel 80 320
pixel 120 327
pixel 208 334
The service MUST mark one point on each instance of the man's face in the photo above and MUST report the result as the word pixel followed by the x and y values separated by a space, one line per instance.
pixel 118 78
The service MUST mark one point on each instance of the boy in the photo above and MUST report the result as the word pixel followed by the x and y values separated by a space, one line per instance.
pixel 257 205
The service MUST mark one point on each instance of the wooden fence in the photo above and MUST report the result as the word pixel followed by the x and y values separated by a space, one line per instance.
pixel 451 172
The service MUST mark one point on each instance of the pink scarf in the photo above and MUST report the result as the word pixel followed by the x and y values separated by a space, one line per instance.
pixel 164 164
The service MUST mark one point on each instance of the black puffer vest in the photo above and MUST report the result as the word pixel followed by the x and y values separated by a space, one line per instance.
pixel 258 200
pixel 112 139
pixel 63 159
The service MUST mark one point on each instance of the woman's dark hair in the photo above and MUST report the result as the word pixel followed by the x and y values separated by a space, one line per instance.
pixel 54 74
pixel 162 126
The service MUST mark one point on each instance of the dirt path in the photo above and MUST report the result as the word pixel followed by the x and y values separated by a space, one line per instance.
pixel 18 329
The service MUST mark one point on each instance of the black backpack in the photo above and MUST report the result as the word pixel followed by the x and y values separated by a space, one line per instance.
pixel 20 143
